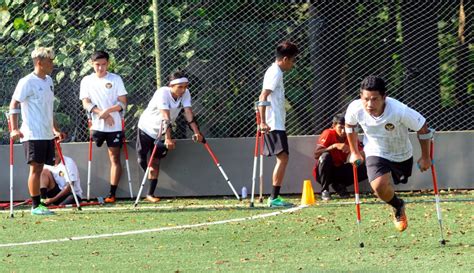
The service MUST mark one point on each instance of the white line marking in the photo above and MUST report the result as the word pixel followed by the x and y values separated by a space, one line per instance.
pixel 133 232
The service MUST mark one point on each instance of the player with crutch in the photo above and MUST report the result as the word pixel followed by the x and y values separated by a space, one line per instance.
pixel 389 153
pixel 35 94
pixel 67 175
pixel 163 109
pixel 273 116
pixel 103 95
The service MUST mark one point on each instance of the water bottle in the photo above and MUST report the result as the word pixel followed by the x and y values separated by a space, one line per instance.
pixel 244 192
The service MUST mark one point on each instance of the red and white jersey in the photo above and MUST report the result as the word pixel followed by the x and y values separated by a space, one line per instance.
pixel 104 93
pixel 329 137
pixel 386 136
pixel 36 97
pixel 150 120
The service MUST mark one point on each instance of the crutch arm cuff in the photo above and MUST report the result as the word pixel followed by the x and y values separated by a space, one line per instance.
pixel 123 106
pixel 90 107
pixel 13 111
pixel 428 135
pixel 263 103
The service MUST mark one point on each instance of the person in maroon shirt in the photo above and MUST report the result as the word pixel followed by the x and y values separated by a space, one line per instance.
pixel 332 167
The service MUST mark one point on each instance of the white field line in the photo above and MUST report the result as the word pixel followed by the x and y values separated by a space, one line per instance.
pixel 147 207
pixel 142 231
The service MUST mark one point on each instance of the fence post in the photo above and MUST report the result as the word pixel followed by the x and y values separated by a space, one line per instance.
pixel 156 35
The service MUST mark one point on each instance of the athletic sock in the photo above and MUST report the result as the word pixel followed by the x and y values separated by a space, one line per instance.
pixel 36 201
pixel 44 193
pixel 275 192
pixel 153 183
pixel 113 189
pixel 396 202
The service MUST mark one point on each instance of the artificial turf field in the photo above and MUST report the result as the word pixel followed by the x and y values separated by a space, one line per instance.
pixel 321 237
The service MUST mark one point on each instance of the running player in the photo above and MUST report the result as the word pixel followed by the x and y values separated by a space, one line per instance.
pixel 389 153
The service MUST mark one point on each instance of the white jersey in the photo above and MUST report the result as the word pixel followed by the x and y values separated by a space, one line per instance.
pixel 150 120
pixel 104 93
pixel 59 175
pixel 36 97
pixel 275 114
pixel 386 136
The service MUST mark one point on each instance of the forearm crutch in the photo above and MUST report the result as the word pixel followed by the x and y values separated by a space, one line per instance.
pixel 357 200
pixel 262 136
pixel 220 168
pixel 255 156
pixel 89 163
pixel 68 178
pixel 125 150
pixel 150 161
pixel 436 193
pixel 11 165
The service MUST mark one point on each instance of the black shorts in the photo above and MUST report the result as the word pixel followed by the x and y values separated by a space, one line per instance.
pixel 275 143
pixel 377 166
pixel 114 139
pixel 145 145
pixel 39 151
pixel 65 200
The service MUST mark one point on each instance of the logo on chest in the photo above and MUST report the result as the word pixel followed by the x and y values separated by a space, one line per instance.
pixel 389 127
pixel 108 85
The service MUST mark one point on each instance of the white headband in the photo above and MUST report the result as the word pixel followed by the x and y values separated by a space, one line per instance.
pixel 179 80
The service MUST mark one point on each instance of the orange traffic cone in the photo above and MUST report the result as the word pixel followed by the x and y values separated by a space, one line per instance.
pixel 307 197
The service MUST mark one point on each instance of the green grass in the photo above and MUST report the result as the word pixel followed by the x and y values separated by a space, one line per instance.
pixel 323 237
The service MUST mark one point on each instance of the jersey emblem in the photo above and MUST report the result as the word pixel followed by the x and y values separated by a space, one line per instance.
pixel 108 85
pixel 389 127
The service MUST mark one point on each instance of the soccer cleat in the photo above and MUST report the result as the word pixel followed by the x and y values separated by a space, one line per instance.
pixel 278 202
pixel 110 199
pixel 152 199
pixel 400 218
pixel 326 195
pixel 41 210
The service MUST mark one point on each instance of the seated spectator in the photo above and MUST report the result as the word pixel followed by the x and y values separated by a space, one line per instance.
pixel 54 188
pixel 332 167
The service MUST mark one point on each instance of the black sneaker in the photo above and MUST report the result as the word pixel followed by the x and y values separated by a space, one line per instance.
pixel 344 194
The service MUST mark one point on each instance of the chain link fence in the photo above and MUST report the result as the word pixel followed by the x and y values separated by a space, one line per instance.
pixel 423 49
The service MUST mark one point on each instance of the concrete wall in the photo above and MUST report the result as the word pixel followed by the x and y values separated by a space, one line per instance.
pixel 190 171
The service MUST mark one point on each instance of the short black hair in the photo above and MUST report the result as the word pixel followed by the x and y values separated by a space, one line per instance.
pixel 374 83
pixel 286 49
pixel 177 74
pixel 100 54
pixel 339 119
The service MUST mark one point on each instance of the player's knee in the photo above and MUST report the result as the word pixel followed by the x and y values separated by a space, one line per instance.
pixel 325 158
pixel 379 185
